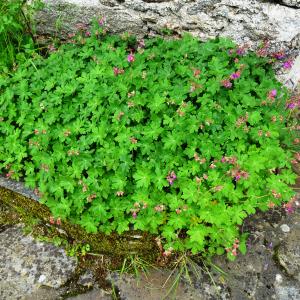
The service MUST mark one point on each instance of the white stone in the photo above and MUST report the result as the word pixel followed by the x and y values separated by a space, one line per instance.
pixel 42 278
pixel 278 278
pixel 285 228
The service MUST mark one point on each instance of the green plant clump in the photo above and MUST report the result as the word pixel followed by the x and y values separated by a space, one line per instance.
pixel 179 138
pixel 15 30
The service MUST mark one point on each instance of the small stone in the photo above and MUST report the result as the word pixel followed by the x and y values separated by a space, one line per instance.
pixel 285 228
pixel 278 278
pixel 42 278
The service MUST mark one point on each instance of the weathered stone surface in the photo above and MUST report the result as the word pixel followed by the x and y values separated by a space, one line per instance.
pixel 161 284
pixel 286 291
pixel 289 253
pixel 96 294
pixel 292 3
pixel 26 264
pixel 244 21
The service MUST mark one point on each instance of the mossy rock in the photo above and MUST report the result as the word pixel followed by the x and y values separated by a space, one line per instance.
pixel 114 245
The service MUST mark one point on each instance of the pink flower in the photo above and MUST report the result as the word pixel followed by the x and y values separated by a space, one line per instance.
pixel 101 21
pixel 235 75
pixel 291 105
pixel 279 55
pixel 226 83
pixel 118 71
pixel 288 64
pixel 237 177
pixel 88 33
pixel 8 175
pixel 134 215
pixel 141 43
pixel 197 73
pixel 51 48
pixel 171 177
pixel 130 58
pixel 240 51
pixel 159 208
pixel 272 94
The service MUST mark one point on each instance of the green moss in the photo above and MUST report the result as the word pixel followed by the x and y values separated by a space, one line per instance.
pixel 115 246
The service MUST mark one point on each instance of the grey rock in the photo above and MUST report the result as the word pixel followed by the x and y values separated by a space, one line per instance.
pixel 96 294
pixel 288 253
pixel 284 291
pixel 43 293
pixel 243 21
pixel 292 3
pixel 26 264
pixel 161 284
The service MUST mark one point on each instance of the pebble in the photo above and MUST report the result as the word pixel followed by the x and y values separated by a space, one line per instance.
pixel 42 278
pixel 279 278
pixel 285 228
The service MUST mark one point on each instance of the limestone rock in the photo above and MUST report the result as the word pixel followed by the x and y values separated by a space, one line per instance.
pixel 26 264
pixel 95 294
pixel 292 3
pixel 289 253
pixel 244 21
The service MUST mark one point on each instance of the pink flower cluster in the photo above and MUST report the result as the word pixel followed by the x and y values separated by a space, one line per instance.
pixel 279 55
pixel 137 207
pixel 240 51
pixel 288 64
pixel 235 75
pixel 291 205
pixel 101 21
pixel 293 103
pixel 200 160
pixel 171 177
pixel 227 159
pixel 226 83
pixel 272 94
pixel 159 208
pixel 238 174
pixel 233 248
pixel 296 159
pixel 52 220
pixel 180 209
pixel 197 72
pixel 91 197
pixel 118 71
pixel 10 173
pixel 276 195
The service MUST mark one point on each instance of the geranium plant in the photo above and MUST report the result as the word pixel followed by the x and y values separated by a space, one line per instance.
pixel 179 138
